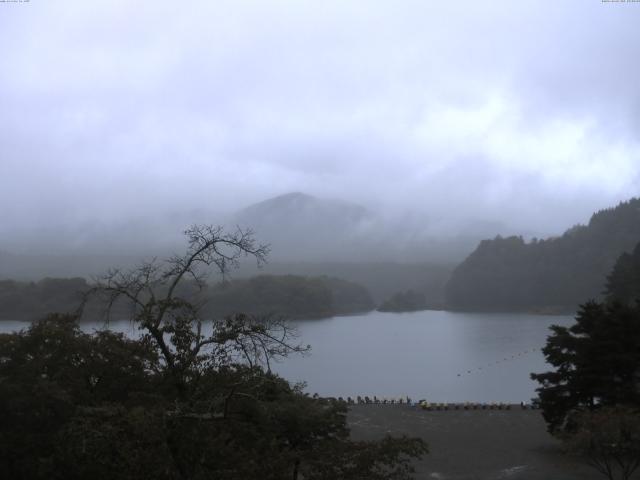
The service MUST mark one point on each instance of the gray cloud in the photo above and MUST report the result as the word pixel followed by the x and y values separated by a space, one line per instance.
pixel 524 112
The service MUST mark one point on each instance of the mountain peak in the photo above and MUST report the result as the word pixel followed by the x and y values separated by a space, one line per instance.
pixel 305 205
pixel 294 196
pixel 299 225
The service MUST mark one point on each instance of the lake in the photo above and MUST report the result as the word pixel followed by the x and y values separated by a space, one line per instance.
pixel 438 355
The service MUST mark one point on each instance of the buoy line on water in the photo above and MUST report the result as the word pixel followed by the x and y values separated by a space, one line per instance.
pixel 511 358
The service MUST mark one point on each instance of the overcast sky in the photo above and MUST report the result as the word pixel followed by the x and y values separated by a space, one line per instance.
pixel 522 111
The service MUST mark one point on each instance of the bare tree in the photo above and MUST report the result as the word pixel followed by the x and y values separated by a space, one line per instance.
pixel 166 299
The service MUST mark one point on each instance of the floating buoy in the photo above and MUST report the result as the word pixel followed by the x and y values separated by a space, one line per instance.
pixel 498 362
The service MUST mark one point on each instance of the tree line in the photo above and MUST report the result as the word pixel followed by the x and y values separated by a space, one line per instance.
pixel 287 295
pixel 556 274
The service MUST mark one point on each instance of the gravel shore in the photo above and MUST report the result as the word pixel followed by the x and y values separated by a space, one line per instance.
pixel 474 444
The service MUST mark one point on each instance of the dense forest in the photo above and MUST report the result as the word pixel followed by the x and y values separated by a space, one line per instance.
pixel 553 275
pixel 287 295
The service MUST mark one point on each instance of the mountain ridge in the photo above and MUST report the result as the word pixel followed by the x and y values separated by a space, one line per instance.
pixel 302 226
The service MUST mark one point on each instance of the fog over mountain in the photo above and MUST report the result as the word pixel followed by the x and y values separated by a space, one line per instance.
pixel 302 227
pixel 297 226
pixel 122 123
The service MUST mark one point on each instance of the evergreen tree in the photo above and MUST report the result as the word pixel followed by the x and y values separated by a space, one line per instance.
pixel 597 363
pixel 623 283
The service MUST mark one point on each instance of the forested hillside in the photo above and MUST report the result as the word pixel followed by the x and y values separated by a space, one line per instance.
pixel 555 274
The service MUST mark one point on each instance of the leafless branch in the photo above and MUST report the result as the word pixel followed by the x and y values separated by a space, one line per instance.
pixel 174 323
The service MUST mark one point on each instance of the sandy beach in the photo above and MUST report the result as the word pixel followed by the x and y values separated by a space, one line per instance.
pixel 474 444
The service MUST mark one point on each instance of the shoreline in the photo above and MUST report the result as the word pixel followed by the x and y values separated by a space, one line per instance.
pixel 356 313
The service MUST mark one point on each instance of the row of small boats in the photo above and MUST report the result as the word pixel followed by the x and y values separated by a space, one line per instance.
pixel 426 405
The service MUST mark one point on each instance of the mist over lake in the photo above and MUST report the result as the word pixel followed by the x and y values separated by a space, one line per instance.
pixel 291 211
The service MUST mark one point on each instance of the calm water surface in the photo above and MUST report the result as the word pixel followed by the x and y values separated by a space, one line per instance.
pixel 441 356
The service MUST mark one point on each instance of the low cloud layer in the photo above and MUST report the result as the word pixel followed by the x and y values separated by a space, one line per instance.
pixel 524 112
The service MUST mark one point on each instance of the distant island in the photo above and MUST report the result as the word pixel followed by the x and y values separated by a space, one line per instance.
pixel 290 296
pixel 553 275
pixel 409 301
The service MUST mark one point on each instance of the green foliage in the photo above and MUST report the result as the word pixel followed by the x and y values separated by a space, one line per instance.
pixel 50 369
pixel 408 301
pixel 555 274
pixel 597 363
pixel 101 406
